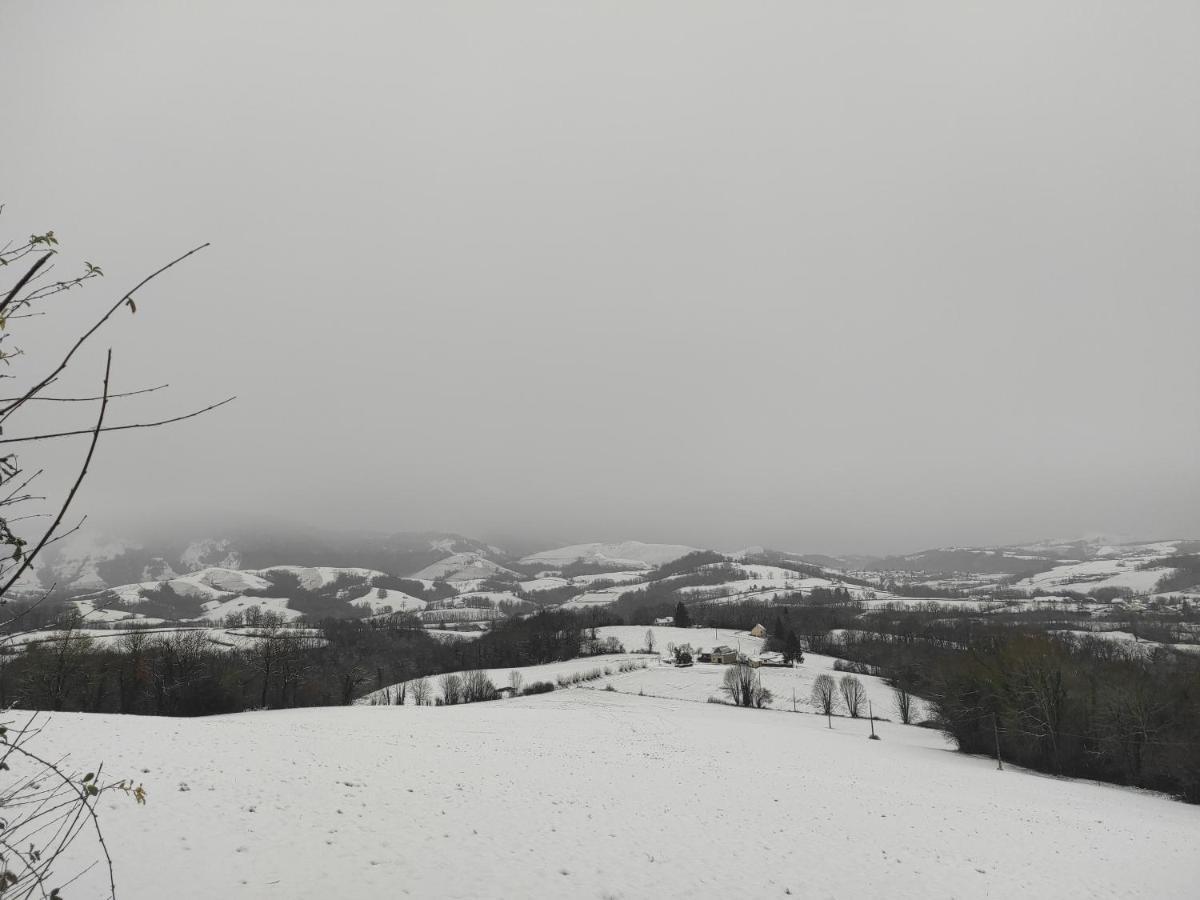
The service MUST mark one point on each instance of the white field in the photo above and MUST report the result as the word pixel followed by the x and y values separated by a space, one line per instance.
pixel 315 577
pixel 216 610
pixel 695 683
pixel 703 680
pixel 91 612
pixel 396 601
pixel 548 672
pixel 1098 573
pixel 586 793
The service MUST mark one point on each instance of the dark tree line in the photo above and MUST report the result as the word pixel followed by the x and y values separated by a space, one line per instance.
pixel 1090 709
pixel 183 673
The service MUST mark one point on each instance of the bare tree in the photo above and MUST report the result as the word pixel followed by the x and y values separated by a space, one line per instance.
pixel 649 640
pixel 420 691
pixel 824 694
pixel 904 704
pixel 476 687
pixel 515 680
pixel 744 688
pixel 854 695
pixel 451 689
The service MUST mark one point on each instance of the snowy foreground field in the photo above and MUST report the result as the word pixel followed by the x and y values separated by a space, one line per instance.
pixel 596 794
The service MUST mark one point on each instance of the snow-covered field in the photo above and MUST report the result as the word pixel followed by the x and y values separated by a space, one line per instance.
pixel 585 793
pixel 1099 573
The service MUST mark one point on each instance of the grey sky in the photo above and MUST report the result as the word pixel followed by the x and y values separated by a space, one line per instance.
pixel 828 277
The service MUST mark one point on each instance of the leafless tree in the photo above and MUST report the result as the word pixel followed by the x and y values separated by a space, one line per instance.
pixel 476 687
pixel 824 694
pixel 421 690
pixel 904 704
pixel 744 688
pixel 451 689
pixel 515 680
pixel 854 695
pixel 649 640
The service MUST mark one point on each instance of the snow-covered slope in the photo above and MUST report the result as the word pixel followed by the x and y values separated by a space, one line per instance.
pixel 631 554
pixel 585 793
pixel 1129 566
pixel 463 567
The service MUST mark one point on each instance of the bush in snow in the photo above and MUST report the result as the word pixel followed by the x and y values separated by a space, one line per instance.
pixel 538 687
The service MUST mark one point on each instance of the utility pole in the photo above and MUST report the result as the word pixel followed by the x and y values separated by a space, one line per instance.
pixel 996 735
pixel 871 713
pixel 793 699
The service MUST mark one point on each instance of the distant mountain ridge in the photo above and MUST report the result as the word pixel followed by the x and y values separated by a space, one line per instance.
pixel 88 563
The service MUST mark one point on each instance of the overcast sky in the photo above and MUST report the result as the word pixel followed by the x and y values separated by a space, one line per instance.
pixel 827 277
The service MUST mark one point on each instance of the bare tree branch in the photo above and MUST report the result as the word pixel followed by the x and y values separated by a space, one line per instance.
pixel 46 437
pixel 27 561
pixel 33 270
pixel 13 407
pixel 87 399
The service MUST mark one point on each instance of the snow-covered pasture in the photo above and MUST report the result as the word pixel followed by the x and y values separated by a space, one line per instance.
pixel 701 681
pixel 1099 573
pixel 584 793
pixel 655 675
pixel 551 672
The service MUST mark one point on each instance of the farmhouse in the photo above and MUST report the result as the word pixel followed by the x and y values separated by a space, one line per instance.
pixel 722 655
pixel 758 631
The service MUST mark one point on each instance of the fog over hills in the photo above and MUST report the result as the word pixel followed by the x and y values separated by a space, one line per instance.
pixel 821 279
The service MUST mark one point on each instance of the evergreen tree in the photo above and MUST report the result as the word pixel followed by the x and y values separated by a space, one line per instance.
pixel 778 631
pixel 791 649
pixel 683 619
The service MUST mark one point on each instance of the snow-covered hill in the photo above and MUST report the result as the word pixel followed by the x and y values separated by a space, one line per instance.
pixel 588 793
pixel 625 554
pixel 463 567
